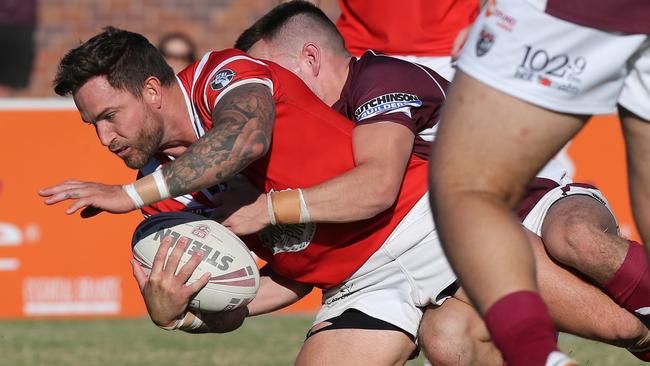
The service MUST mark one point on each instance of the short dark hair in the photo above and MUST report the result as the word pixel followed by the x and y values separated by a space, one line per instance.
pixel 127 59
pixel 270 24
pixel 191 54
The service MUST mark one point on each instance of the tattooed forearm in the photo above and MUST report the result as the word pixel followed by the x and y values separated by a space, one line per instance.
pixel 243 124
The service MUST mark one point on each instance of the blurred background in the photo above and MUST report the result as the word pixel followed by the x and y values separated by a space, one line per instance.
pixel 59 25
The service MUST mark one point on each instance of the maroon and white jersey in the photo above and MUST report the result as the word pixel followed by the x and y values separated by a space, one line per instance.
pixel 311 143
pixel 381 88
pixel 628 16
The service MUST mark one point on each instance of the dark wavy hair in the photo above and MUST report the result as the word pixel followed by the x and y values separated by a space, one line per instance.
pixel 127 59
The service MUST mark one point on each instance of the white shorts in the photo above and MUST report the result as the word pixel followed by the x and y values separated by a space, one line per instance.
pixel 442 65
pixel 408 272
pixel 519 50
pixel 536 216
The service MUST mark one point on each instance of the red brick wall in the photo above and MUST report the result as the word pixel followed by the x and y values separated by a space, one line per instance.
pixel 213 24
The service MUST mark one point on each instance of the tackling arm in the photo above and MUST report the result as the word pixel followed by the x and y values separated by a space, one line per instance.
pixel 381 151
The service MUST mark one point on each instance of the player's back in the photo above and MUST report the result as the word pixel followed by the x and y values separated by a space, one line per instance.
pixel 311 143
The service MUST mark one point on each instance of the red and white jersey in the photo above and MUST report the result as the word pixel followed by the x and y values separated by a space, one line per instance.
pixel 311 143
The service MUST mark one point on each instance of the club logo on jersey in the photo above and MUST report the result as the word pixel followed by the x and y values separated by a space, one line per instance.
pixel 387 103
pixel 485 41
pixel 287 238
pixel 222 79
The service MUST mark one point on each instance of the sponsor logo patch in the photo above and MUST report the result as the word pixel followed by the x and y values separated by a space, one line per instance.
pixel 222 79
pixel 287 238
pixel 485 41
pixel 342 293
pixel 562 71
pixel 386 103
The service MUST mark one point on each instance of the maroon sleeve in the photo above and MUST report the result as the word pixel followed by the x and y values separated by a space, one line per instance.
pixel 389 89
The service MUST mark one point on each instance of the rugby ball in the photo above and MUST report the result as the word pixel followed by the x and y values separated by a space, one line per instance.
pixel 234 276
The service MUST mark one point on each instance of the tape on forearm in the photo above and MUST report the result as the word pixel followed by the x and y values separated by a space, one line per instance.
pixel 148 189
pixel 192 321
pixel 188 322
pixel 288 207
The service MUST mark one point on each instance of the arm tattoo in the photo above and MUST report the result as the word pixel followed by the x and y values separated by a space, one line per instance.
pixel 243 123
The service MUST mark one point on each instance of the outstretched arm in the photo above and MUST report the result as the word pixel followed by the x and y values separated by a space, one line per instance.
pixel 243 124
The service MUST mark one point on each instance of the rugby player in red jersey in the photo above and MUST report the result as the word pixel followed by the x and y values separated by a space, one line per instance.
pixel 229 113
pixel 532 73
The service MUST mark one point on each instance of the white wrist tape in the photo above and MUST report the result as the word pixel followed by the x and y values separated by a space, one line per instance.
pixel 269 207
pixel 185 323
pixel 148 189
pixel 160 183
pixel 133 195
pixel 196 323
pixel 177 323
pixel 304 212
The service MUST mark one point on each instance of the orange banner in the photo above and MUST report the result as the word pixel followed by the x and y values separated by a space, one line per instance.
pixel 52 264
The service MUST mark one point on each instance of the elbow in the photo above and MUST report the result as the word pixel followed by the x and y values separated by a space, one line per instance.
pixel 258 150
pixel 383 195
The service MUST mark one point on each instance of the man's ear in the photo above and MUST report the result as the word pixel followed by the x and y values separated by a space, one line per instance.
pixel 152 91
pixel 311 55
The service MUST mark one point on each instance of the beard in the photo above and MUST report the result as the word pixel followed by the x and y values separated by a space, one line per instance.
pixel 143 147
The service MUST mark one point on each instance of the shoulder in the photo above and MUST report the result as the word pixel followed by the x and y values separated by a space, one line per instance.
pixel 226 64
pixel 219 72
pixel 390 74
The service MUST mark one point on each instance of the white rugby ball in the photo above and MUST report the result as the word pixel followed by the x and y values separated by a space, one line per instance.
pixel 234 276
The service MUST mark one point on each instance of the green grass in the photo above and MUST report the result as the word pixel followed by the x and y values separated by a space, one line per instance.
pixel 267 340
pixel 591 353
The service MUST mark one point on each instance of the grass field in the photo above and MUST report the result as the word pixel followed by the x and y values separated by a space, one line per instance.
pixel 267 340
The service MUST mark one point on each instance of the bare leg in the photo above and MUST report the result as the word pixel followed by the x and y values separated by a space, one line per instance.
pixel 454 334
pixel 355 347
pixel 637 140
pixel 488 148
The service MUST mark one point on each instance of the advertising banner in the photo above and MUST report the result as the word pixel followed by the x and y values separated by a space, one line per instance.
pixel 58 265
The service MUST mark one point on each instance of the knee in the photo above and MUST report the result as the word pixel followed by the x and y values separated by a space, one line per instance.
pixel 571 237
pixel 445 340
